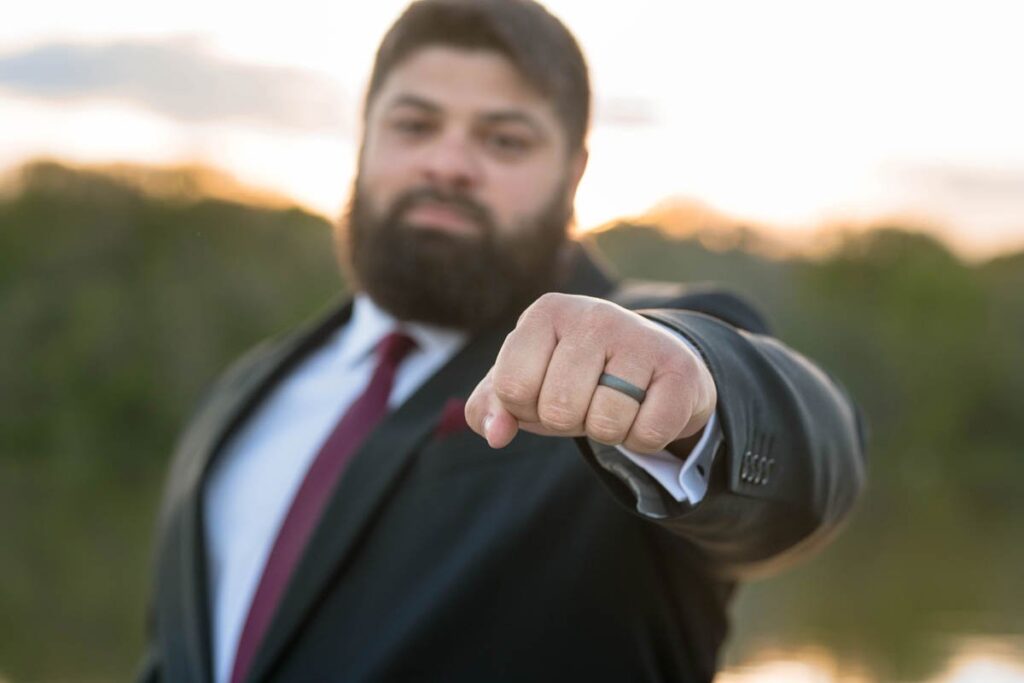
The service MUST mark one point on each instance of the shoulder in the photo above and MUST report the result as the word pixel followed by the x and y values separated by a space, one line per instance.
pixel 709 298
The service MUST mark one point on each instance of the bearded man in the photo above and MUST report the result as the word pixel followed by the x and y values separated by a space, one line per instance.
pixel 494 463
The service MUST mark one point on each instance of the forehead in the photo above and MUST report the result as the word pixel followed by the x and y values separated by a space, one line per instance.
pixel 458 80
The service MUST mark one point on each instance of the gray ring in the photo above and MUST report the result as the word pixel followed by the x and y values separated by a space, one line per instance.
pixel 622 386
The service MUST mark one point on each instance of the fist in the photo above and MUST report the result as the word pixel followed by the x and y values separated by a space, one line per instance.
pixel 545 378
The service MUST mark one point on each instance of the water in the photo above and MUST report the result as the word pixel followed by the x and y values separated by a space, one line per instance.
pixel 970 659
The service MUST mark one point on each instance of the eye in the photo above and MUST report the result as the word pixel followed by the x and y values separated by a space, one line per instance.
pixel 508 144
pixel 412 126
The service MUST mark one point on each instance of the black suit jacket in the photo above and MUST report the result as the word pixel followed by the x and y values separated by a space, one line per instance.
pixel 440 559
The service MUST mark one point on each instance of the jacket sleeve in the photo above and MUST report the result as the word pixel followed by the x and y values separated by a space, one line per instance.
pixel 791 464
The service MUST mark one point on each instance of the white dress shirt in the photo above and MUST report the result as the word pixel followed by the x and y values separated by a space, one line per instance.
pixel 251 485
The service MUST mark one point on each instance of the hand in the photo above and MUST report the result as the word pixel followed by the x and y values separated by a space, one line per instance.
pixel 544 379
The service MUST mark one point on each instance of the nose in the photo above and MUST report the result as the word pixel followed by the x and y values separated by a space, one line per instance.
pixel 451 163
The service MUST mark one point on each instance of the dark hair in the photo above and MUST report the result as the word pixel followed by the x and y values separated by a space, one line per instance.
pixel 537 43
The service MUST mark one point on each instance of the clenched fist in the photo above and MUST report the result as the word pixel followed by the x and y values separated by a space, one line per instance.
pixel 545 378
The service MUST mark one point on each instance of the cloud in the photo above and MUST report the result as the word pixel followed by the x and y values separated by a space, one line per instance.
pixel 1000 185
pixel 179 79
pixel 992 194
pixel 984 204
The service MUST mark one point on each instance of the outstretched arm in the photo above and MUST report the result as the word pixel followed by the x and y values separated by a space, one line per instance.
pixel 791 464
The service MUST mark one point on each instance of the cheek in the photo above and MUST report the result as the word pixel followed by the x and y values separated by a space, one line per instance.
pixel 381 178
pixel 524 192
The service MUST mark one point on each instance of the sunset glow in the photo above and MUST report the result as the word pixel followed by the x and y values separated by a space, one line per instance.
pixel 789 115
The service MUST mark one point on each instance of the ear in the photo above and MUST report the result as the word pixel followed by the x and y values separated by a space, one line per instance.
pixel 577 165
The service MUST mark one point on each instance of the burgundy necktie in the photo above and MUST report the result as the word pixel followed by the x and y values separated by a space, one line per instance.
pixel 309 501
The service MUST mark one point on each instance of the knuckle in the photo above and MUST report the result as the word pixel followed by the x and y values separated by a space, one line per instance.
pixel 550 297
pixel 588 329
pixel 541 312
pixel 605 429
pixel 678 379
pixel 547 301
pixel 598 315
pixel 685 365
pixel 650 438
pixel 557 417
pixel 514 390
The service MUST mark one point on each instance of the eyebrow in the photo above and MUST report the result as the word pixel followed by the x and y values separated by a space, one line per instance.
pixel 513 116
pixel 414 101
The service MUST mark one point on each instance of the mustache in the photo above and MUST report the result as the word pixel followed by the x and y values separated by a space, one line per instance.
pixel 466 205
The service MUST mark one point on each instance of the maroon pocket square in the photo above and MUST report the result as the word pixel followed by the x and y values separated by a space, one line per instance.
pixel 453 418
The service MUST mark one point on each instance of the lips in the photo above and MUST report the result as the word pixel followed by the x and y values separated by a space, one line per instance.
pixel 430 214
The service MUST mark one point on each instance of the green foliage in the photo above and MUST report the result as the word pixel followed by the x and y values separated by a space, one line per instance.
pixel 933 351
pixel 120 306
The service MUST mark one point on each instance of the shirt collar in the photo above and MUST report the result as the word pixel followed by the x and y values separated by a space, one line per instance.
pixel 370 323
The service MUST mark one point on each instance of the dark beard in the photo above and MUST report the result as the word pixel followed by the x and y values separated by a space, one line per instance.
pixel 458 281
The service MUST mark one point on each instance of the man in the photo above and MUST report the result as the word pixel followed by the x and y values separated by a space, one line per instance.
pixel 330 517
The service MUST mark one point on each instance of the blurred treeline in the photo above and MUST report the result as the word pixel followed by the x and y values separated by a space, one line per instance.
pixel 119 305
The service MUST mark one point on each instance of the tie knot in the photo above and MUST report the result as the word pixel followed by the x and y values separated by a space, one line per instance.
pixel 394 347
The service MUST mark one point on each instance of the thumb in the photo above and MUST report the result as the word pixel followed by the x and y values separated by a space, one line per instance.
pixel 488 417
pixel 500 426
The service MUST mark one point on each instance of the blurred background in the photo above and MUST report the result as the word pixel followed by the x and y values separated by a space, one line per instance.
pixel 170 174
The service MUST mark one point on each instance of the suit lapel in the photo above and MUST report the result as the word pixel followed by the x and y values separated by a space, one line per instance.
pixel 185 604
pixel 372 475
pixel 376 469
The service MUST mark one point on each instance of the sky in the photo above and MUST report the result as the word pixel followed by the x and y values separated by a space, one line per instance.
pixel 791 114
